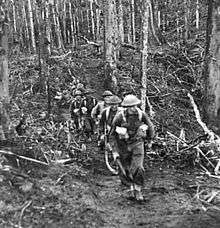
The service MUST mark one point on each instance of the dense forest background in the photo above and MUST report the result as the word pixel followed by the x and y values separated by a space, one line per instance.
pixel 165 52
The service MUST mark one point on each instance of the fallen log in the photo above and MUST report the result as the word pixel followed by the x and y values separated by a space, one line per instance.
pixel 23 157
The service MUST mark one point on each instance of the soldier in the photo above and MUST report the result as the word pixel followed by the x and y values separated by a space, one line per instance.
pixel 130 128
pixel 63 104
pixel 76 110
pixel 89 102
pixel 97 110
pixel 107 117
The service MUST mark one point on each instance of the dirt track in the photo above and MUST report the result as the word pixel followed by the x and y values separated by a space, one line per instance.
pixel 74 196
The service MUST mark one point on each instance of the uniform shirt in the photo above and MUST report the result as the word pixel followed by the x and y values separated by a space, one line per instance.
pixel 106 119
pixel 97 110
pixel 76 104
pixel 132 122
pixel 89 102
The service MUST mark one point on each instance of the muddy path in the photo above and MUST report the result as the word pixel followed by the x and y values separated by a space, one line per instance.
pixel 87 195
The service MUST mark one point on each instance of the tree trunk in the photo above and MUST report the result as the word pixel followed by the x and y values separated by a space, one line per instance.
pixel 129 35
pixel 213 81
pixel 71 24
pixel 133 33
pixel 27 38
pixel 197 14
pixel 97 11
pixel 4 77
pixel 120 21
pixel 56 24
pixel 111 43
pixel 47 22
pixel 66 37
pixel 186 18
pixel 14 17
pixel 33 44
pixel 92 19
pixel 145 30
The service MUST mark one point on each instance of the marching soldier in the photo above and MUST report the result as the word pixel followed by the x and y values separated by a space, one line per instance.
pixel 130 128
pixel 76 110
pixel 89 102
pixel 97 110
pixel 107 117
pixel 63 101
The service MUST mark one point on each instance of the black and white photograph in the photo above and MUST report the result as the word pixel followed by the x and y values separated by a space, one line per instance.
pixel 109 113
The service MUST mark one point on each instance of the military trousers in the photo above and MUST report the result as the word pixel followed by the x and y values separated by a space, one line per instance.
pixel 132 158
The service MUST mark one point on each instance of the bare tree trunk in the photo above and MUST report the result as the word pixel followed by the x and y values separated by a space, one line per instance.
pixel 56 24
pixel 76 25
pixel 153 24
pixel 4 77
pixel 159 18
pixel 145 31
pixel 92 19
pixel 47 22
pixel 120 21
pixel 97 11
pixel 213 89
pixel 14 17
pixel 87 20
pixel 111 42
pixel 186 18
pixel 133 33
pixel 197 14
pixel 71 24
pixel 27 41
pixel 31 26
pixel 129 32
pixel 178 31
pixel 66 37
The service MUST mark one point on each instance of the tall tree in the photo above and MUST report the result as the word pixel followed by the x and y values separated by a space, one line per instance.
pixel 30 12
pixel 145 31
pixel 4 76
pixel 120 20
pixel 213 64
pixel 111 43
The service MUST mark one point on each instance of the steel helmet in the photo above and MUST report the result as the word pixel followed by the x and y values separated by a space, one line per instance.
pixel 130 100
pixel 113 100
pixel 107 93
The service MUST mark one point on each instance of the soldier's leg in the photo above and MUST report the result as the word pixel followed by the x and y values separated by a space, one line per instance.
pixel 137 169
pixel 125 158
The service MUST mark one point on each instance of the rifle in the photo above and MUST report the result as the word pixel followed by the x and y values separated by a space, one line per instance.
pixel 108 148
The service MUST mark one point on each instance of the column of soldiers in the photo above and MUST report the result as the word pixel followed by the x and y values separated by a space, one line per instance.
pixel 122 128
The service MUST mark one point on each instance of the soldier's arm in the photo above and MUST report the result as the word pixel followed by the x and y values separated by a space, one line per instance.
pixel 146 120
pixel 94 111
pixel 102 122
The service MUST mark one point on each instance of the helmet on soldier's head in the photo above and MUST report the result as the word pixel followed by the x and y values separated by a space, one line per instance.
pixel 113 100
pixel 78 93
pixel 107 93
pixel 130 100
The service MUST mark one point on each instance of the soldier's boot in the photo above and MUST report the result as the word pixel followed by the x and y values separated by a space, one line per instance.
pixel 131 192
pixel 138 194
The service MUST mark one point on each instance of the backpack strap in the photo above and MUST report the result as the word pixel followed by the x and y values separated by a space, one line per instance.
pixel 107 112
pixel 140 114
